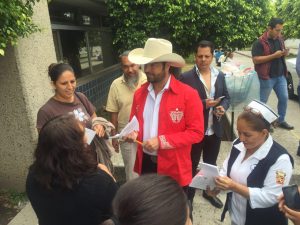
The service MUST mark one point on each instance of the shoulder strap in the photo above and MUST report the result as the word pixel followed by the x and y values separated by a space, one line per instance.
pixel 80 99
pixel 233 155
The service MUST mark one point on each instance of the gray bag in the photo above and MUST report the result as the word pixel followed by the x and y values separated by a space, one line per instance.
pixel 103 152
pixel 99 145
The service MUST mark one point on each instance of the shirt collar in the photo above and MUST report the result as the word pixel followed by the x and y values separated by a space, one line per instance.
pixel 261 152
pixel 213 71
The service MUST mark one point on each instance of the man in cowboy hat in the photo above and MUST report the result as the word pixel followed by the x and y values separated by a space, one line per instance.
pixel 169 122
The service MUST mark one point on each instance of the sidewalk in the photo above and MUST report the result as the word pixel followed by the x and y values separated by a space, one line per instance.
pixel 204 213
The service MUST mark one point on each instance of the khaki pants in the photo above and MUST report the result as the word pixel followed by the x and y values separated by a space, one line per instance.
pixel 128 151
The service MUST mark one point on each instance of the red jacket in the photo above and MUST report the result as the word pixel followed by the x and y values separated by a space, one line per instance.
pixel 180 125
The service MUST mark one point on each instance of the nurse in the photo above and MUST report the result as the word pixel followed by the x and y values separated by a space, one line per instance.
pixel 255 171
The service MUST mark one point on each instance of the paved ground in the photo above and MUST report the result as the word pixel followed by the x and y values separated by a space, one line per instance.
pixel 204 213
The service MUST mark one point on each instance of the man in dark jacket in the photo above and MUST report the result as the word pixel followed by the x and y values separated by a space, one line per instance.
pixel 211 87
pixel 268 53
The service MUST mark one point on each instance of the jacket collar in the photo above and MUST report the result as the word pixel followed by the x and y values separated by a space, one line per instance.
pixel 174 85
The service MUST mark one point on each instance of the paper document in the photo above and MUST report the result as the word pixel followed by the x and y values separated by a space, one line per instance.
pixel 90 134
pixel 133 125
pixel 205 177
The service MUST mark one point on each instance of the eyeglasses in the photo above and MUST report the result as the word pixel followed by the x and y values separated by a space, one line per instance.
pixel 253 111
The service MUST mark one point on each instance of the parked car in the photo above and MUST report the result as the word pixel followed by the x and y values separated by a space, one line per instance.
pixel 292 78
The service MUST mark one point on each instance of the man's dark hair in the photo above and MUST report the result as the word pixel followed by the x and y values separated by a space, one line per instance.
pixel 274 21
pixel 61 158
pixel 204 44
pixel 151 199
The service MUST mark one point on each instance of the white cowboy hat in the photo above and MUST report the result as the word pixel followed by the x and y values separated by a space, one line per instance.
pixel 156 50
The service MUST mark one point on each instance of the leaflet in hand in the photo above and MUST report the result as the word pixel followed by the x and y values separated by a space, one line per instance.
pixel 90 134
pixel 133 125
pixel 205 177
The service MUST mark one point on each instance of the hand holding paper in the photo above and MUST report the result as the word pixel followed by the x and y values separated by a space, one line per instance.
pixel 225 183
pixel 132 126
pixel 90 134
pixel 206 177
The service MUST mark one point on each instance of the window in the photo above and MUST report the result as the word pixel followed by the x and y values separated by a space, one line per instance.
pixel 80 38
pixel 74 51
pixel 81 49
pixel 96 50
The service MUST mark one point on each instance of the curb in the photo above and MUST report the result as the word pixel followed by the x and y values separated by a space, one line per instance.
pixel 243 54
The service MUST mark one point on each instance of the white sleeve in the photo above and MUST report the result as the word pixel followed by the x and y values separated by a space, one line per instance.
pixel 279 175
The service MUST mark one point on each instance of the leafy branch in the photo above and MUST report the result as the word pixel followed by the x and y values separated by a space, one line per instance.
pixel 15 21
pixel 228 23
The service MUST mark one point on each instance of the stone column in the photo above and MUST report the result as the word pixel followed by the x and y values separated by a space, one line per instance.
pixel 24 88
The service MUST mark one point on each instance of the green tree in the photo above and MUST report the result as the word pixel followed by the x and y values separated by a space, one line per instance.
pixel 15 21
pixel 289 10
pixel 228 23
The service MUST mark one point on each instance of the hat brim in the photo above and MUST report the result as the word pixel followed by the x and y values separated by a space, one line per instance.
pixel 137 56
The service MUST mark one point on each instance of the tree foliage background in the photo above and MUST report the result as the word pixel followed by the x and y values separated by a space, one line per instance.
pixel 289 10
pixel 15 21
pixel 228 23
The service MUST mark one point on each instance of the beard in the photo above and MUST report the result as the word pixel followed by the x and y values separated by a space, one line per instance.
pixel 132 81
pixel 155 78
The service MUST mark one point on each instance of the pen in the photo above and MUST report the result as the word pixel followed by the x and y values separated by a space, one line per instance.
pixel 136 141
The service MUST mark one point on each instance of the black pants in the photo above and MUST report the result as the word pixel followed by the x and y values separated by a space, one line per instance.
pixel 210 147
pixel 149 164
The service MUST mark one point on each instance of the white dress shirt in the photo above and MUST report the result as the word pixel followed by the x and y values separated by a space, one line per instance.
pixel 151 114
pixel 213 77
pixel 259 197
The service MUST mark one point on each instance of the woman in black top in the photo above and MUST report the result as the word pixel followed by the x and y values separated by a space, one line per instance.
pixel 65 185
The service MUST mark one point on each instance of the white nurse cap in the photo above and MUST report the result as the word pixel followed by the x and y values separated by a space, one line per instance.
pixel 268 114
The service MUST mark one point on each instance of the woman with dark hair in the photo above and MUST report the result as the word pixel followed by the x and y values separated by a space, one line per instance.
pixel 255 171
pixel 152 200
pixel 64 184
pixel 66 100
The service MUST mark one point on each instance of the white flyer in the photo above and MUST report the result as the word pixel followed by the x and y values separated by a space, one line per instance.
pixel 90 134
pixel 205 177
pixel 133 125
